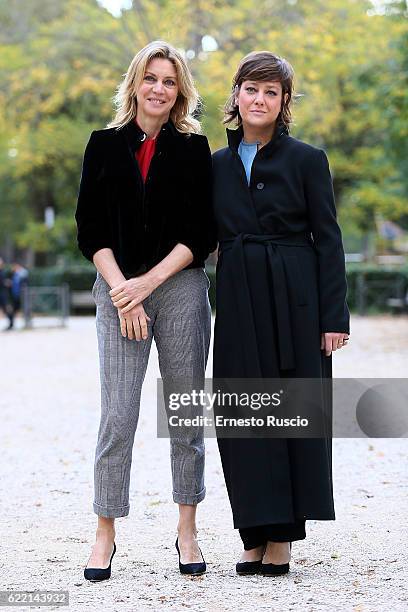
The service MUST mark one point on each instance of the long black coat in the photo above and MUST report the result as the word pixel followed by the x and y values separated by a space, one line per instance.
pixel 280 283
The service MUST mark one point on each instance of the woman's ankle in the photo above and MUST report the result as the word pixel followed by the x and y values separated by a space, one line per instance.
pixel 105 533
pixel 187 530
pixel 277 552
pixel 253 554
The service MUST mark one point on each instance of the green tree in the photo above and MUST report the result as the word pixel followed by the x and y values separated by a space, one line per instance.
pixel 61 62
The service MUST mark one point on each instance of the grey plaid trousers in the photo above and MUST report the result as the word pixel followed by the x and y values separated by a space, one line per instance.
pixel 181 326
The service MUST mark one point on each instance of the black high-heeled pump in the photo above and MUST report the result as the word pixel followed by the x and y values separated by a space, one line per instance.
pixel 192 569
pixel 271 569
pixel 96 574
pixel 249 568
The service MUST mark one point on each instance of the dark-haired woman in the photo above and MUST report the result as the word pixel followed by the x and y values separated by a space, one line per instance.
pixel 281 308
pixel 144 219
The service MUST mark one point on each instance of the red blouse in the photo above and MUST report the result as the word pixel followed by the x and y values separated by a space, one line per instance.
pixel 144 155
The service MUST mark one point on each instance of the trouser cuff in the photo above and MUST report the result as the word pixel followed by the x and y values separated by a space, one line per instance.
pixel 252 537
pixel 191 500
pixel 111 511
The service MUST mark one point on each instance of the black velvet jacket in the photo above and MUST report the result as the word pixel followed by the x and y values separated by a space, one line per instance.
pixel 142 222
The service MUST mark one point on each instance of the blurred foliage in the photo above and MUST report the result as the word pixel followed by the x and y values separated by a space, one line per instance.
pixel 60 63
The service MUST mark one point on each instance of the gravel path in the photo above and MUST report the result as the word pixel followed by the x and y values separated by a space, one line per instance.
pixel 49 419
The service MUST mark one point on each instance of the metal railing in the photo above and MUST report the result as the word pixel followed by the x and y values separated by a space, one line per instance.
pixel 381 292
pixel 46 300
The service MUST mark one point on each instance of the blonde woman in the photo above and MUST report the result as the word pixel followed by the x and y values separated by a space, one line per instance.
pixel 144 220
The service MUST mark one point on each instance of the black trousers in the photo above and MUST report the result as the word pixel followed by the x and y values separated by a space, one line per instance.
pixel 12 309
pixel 252 537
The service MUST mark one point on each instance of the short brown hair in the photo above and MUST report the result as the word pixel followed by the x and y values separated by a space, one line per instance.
pixel 262 66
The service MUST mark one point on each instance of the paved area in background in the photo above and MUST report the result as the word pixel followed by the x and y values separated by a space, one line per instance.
pixel 49 410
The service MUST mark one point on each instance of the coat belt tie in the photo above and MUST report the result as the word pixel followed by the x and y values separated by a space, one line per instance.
pixel 280 295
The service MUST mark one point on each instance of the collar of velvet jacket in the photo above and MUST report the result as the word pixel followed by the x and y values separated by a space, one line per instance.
pixel 235 136
pixel 135 135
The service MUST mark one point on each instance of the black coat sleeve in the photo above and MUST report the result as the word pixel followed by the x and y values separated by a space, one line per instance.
pixel 91 214
pixel 197 227
pixel 334 314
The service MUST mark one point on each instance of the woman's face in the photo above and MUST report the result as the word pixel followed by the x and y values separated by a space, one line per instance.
pixel 158 91
pixel 259 103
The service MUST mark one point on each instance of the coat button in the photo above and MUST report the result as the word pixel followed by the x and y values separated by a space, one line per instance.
pixel 260 186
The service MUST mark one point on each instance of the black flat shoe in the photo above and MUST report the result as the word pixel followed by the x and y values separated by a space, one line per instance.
pixel 271 569
pixel 248 568
pixel 192 569
pixel 96 574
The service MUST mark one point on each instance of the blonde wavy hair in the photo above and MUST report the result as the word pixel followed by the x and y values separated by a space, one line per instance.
pixel 187 100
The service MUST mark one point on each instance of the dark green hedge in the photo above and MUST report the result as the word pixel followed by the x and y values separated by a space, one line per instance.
pixel 80 277
pixel 369 286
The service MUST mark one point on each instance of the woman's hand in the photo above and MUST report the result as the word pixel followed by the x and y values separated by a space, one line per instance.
pixel 133 324
pixel 331 341
pixel 132 292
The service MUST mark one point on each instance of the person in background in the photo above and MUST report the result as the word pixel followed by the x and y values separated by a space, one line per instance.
pixel 16 282
pixel 3 289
